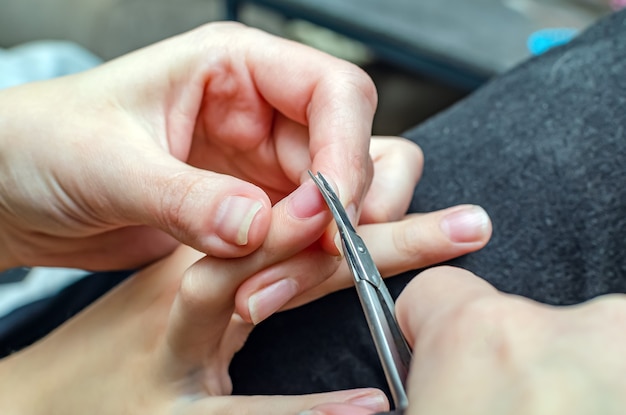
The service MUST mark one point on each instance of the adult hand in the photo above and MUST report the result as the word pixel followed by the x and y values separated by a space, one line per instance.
pixel 194 137
pixel 477 351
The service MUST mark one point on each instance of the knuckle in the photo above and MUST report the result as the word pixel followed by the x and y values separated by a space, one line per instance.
pixel 407 240
pixel 362 82
pixel 178 193
pixel 348 78
pixel 412 241
pixel 494 319
pixel 194 289
pixel 360 160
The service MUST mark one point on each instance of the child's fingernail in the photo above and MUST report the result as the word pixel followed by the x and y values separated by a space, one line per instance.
pixel 235 217
pixel 374 401
pixel 306 201
pixel 270 299
pixel 467 224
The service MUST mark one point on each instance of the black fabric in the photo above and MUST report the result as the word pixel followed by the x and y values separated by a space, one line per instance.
pixel 542 150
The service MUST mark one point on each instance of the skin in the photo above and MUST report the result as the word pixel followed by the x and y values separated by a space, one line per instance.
pixel 182 125
pixel 161 342
pixel 106 169
pixel 480 351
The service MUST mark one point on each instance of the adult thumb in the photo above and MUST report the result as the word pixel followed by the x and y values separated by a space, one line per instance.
pixel 435 292
pixel 216 214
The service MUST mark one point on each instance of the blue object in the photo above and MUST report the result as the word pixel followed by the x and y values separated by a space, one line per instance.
pixel 545 39
pixel 44 59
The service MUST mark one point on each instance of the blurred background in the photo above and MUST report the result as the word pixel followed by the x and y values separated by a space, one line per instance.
pixel 424 55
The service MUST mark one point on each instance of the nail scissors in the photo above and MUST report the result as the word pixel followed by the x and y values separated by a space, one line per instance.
pixel 378 305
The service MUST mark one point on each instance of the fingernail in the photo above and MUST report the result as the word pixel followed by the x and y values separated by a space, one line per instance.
pixel 270 299
pixel 306 201
pixel 468 224
pixel 373 401
pixel 234 218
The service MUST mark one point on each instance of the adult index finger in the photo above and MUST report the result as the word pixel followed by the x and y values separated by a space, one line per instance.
pixel 334 99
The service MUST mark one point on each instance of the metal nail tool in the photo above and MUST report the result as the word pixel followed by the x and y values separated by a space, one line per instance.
pixel 377 303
